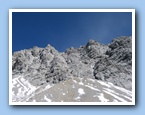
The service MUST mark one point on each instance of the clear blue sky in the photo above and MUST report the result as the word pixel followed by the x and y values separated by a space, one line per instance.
pixel 64 30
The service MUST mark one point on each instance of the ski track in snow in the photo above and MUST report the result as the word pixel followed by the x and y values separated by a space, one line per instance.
pixel 92 88
pixel 115 96
pixel 102 83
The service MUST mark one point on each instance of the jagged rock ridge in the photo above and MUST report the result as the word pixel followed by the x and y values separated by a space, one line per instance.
pixel 46 66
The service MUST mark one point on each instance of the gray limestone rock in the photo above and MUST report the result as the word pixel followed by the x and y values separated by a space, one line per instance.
pixel 43 66
pixel 117 67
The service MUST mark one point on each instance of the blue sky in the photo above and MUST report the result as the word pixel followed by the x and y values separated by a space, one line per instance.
pixel 64 30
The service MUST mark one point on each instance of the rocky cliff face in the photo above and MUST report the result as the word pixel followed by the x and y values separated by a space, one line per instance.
pixel 36 69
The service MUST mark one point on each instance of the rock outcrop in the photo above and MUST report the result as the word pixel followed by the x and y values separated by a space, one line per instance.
pixel 117 66
pixel 43 67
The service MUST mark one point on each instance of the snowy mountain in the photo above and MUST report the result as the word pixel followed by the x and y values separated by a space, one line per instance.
pixel 91 73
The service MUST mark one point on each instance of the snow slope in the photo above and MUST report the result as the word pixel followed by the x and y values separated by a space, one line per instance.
pixel 71 90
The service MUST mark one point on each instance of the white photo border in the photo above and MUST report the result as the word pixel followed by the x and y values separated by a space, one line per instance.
pixel 71 10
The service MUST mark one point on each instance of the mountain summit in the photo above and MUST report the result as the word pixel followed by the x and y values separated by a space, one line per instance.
pixel 94 72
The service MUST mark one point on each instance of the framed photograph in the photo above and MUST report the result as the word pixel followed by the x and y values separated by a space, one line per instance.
pixel 71 56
